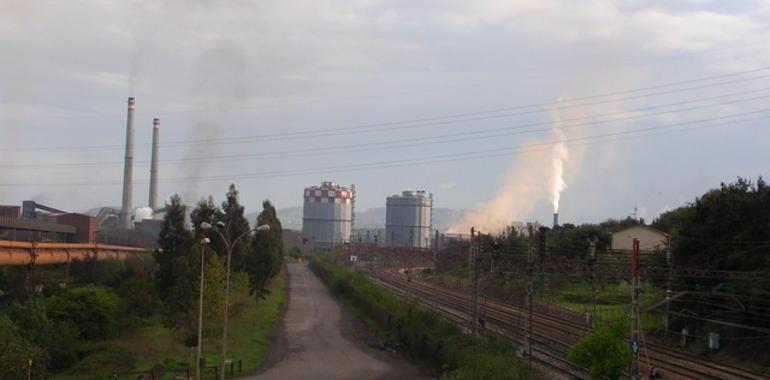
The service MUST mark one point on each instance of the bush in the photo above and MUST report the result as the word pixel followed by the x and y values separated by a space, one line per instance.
pixel 421 333
pixel 58 338
pixel 102 360
pixel 140 298
pixel 604 352
pixel 16 353
pixel 94 309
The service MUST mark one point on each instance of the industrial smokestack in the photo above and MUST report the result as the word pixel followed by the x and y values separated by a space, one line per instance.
pixel 128 168
pixel 555 219
pixel 153 202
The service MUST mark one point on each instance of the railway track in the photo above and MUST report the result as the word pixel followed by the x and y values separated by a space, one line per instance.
pixel 553 335
pixel 554 362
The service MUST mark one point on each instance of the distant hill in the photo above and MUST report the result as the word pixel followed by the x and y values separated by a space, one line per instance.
pixel 373 218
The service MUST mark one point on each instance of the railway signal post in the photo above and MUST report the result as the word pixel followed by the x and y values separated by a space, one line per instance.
pixel 530 264
pixel 474 285
pixel 435 267
pixel 635 333
pixel 669 280
pixel 594 289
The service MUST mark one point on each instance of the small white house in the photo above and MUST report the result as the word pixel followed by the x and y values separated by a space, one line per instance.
pixel 649 238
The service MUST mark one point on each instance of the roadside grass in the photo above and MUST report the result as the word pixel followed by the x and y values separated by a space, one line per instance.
pixel 251 327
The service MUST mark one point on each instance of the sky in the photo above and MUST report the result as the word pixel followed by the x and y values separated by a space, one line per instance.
pixel 655 102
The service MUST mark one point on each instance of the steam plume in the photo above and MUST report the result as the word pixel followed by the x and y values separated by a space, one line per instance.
pixel 535 176
pixel 560 154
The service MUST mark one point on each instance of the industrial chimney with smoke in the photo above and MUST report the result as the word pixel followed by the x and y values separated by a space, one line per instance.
pixel 128 168
pixel 153 201
pixel 555 219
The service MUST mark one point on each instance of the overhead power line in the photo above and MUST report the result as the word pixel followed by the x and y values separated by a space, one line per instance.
pixel 432 140
pixel 442 119
pixel 526 148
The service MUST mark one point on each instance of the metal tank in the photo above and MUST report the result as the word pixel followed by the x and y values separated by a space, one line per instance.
pixel 408 219
pixel 327 214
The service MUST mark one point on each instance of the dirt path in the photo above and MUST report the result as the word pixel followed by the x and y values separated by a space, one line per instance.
pixel 321 340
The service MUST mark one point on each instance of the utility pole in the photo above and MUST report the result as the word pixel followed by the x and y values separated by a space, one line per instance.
pixel 435 267
pixel 669 281
pixel 474 286
pixel 635 308
pixel 542 253
pixel 198 355
pixel 530 265
pixel 592 269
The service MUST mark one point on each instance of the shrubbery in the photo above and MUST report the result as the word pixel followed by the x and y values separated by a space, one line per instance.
pixel 93 309
pixel 424 334
pixel 604 352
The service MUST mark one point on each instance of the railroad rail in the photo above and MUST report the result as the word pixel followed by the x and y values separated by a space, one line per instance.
pixel 13 253
pixel 552 335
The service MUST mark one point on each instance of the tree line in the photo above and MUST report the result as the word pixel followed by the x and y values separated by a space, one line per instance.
pixel 60 317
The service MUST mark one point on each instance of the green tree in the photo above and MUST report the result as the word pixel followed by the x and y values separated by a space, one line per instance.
pixel 266 256
pixel 214 292
pixel 176 276
pixel 232 216
pixel 725 229
pixel 95 310
pixel 604 352
pixel 207 211
pixel 16 353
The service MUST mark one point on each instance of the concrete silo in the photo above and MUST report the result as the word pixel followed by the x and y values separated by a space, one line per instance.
pixel 327 214
pixel 408 219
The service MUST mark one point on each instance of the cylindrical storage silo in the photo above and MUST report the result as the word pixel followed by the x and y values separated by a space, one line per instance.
pixel 408 219
pixel 327 214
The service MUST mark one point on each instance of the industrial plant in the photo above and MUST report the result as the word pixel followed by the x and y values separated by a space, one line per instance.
pixel 126 226
pixel 327 216
pixel 408 219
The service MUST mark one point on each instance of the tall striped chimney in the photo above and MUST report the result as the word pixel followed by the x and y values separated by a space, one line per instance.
pixel 128 168
pixel 153 202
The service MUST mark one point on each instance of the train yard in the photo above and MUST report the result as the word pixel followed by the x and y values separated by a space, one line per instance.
pixel 551 336
pixel 543 333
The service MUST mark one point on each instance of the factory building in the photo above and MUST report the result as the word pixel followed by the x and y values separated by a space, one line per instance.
pixel 327 215
pixel 408 219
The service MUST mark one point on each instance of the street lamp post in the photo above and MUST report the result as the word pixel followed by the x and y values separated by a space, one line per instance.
pixel 229 246
pixel 204 242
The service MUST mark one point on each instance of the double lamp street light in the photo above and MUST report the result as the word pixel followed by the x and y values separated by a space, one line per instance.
pixel 223 230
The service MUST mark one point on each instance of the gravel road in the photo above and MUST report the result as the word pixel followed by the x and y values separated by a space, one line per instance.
pixel 319 339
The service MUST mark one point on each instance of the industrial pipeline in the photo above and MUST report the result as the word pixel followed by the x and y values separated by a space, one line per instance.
pixel 24 253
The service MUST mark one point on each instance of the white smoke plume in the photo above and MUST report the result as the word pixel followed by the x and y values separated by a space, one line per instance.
pixel 560 154
pixel 142 213
pixel 536 176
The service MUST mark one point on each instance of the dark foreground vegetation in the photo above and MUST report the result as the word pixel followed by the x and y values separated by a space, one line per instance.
pixel 89 320
pixel 422 334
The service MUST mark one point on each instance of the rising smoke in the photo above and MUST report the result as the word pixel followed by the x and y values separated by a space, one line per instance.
pixel 221 69
pixel 535 176
pixel 559 156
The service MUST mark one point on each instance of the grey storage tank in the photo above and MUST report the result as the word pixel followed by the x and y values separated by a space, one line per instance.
pixel 327 214
pixel 408 219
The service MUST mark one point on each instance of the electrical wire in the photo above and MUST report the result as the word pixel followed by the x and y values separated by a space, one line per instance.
pixel 411 142
pixel 423 160
pixel 430 121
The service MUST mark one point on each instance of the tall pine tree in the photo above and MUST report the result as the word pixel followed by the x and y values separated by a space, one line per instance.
pixel 176 279
pixel 232 216
pixel 266 256
pixel 207 211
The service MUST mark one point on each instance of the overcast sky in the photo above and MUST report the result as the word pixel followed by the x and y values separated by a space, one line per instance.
pixel 291 93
